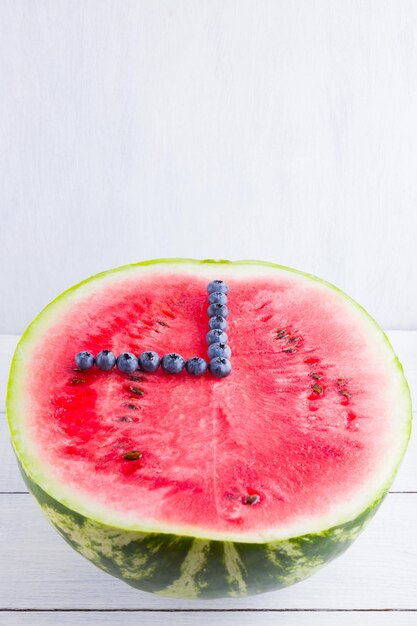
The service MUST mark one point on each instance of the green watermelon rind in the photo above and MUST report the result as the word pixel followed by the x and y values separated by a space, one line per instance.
pixel 184 564
pixel 180 566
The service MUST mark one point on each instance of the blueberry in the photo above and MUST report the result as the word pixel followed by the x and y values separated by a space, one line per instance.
pixel 84 360
pixel 105 360
pixel 220 367
pixel 196 366
pixel 217 297
pixel 218 322
pixel 172 363
pixel 127 362
pixel 218 309
pixel 216 336
pixel 217 285
pixel 149 361
pixel 219 349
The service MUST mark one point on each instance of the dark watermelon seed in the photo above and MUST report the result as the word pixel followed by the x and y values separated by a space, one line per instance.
pixel 137 379
pixel 344 393
pixel 282 333
pixel 290 350
pixel 317 389
pixel 131 406
pixel 77 381
pixel 294 339
pixel 340 382
pixel 124 418
pixel 316 376
pixel 133 455
pixel 161 323
pixel 252 499
pixel 136 390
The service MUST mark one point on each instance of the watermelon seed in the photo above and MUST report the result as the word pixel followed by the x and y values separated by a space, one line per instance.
pixel 316 376
pixel 340 382
pixel 252 499
pixel 290 350
pixel 131 406
pixel 282 333
pixel 137 379
pixel 136 390
pixel 133 455
pixel 294 339
pixel 124 418
pixel 77 381
pixel 317 389
pixel 344 393
pixel 161 323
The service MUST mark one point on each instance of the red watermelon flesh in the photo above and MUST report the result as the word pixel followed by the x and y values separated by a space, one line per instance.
pixel 310 419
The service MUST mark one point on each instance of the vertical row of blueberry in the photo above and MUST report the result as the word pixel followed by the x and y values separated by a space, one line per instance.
pixel 218 351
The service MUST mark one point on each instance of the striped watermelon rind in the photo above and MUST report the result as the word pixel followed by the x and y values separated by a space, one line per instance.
pixel 191 567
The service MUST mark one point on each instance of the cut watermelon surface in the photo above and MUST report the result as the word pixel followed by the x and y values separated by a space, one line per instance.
pixel 314 420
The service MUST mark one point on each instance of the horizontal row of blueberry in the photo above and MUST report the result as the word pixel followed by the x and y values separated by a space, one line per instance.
pixel 149 361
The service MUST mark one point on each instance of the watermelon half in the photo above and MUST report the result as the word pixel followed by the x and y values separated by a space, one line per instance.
pixel 314 420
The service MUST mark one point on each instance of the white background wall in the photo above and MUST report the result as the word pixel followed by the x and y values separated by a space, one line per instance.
pixel 280 130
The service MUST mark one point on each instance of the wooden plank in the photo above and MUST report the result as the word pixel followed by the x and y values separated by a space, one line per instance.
pixel 204 618
pixel 40 571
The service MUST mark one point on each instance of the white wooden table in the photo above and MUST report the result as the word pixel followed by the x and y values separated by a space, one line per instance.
pixel 43 581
